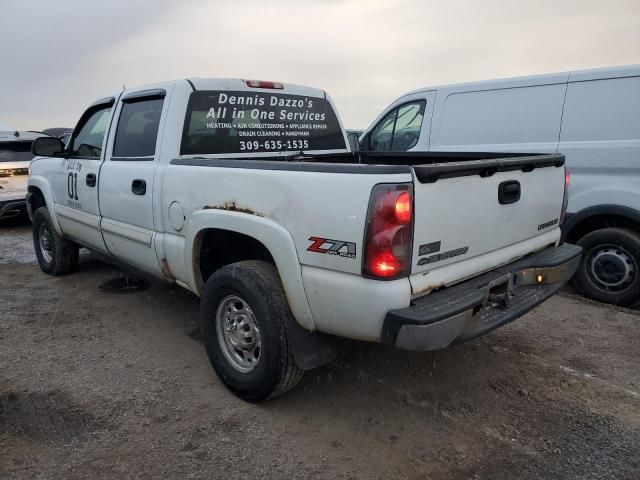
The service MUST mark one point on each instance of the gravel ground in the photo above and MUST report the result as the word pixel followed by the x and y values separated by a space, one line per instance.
pixel 95 384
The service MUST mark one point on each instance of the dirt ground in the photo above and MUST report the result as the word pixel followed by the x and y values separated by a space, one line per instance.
pixel 96 384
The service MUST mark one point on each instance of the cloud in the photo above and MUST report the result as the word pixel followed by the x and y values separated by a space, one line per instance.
pixel 364 53
pixel 52 55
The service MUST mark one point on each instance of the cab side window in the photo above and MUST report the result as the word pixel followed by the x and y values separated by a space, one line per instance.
pixel 89 135
pixel 400 129
pixel 137 130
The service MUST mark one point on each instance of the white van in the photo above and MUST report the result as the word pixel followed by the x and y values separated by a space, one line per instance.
pixel 592 116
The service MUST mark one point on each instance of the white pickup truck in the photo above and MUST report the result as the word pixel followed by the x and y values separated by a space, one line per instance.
pixel 246 193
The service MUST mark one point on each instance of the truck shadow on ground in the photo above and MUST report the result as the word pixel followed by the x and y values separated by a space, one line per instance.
pixel 18 221
pixel 368 366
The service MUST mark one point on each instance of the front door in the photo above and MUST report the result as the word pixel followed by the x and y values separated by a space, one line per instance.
pixel 128 176
pixel 75 182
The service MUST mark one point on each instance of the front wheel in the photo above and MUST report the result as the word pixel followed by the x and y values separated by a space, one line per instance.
pixel 244 325
pixel 56 255
pixel 609 269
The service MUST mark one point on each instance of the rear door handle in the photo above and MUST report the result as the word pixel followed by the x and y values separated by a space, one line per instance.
pixel 139 186
pixel 509 192
pixel 91 180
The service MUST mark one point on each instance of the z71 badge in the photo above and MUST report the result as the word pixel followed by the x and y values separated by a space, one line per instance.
pixel 332 247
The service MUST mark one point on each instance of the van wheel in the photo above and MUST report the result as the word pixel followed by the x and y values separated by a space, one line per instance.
pixel 609 268
pixel 56 255
pixel 244 325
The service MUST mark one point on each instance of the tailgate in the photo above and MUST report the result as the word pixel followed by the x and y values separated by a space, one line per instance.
pixel 472 216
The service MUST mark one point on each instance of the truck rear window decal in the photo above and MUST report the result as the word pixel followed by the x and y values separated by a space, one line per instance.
pixel 247 122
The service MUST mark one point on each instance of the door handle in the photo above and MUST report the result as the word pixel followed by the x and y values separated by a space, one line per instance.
pixel 139 186
pixel 91 180
pixel 509 192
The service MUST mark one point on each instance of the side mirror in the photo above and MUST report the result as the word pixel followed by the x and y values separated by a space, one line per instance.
pixel 47 147
pixel 354 141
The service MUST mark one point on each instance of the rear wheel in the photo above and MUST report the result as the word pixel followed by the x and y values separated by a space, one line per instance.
pixel 609 268
pixel 56 255
pixel 244 325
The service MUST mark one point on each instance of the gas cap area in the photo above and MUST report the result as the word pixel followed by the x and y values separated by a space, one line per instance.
pixel 176 216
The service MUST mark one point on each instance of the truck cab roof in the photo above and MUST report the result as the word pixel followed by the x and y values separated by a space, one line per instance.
pixel 235 84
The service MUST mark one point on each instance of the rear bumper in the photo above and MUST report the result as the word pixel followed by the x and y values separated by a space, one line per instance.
pixel 482 304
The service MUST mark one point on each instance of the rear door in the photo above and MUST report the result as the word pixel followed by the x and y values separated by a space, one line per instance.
pixel 75 177
pixel 128 176
pixel 601 138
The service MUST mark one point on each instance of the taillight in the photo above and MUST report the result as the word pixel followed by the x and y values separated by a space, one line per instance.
pixel 264 84
pixel 565 198
pixel 403 208
pixel 389 231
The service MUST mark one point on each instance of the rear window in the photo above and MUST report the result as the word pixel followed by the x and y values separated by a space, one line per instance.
pixel 15 152
pixel 249 122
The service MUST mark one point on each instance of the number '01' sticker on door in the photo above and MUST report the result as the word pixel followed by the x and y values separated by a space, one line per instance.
pixel 73 168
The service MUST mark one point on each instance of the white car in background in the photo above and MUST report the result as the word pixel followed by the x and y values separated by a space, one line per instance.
pixel 590 116
pixel 15 155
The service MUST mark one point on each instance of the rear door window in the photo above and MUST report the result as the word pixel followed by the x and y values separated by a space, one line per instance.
pixel 15 152
pixel 399 130
pixel 137 130
pixel 219 122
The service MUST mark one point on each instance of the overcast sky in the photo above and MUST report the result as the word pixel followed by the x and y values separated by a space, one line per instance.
pixel 58 56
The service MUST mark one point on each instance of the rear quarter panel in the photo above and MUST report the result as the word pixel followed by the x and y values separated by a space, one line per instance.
pixel 306 204
pixel 326 292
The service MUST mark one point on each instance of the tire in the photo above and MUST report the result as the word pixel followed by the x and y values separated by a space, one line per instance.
pixel 57 255
pixel 226 319
pixel 609 268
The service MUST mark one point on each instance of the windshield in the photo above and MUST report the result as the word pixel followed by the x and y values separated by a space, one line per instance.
pixel 249 122
pixel 15 152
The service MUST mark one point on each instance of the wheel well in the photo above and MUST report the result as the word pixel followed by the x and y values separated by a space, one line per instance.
pixel 596 222
pixel 219 247
pixel 37 200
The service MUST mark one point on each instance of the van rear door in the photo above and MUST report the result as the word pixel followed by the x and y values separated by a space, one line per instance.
pixel 601 137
